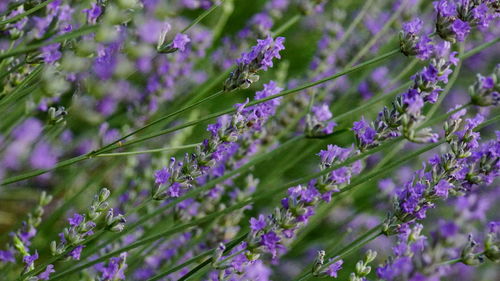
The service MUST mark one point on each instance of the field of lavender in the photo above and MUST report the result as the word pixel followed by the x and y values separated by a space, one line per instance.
pixel 250 140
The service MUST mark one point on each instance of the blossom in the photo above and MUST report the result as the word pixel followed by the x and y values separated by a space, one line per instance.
pixel 162 176
pixel 51 53
pixel 257 224
pixel 180 42
pixel 333 268
pixel 76 252
pixel 7 256
pixel 76 220
pixel 43 156
pixel 461 29
pixel 30 259
pixel 259 58
pixel 442 188
pixel 413 101
pixel 151 30
pixel 93 13
pixel 271 241
pixel 413 27
pixel 115 269
pixel 364 132
pixel 322 112
pixel 45 275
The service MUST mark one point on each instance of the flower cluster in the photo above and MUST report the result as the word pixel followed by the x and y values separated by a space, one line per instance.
pixel 81 227
pixel 269 233
pixel 21 239
pixel 406 114
pixel 117 93
pixel 412 43
pixel 259 58
pixel 454 21
pixel 410 243
pixel 486 90
pixel 180 176
pixel 449 173
pixel 318 123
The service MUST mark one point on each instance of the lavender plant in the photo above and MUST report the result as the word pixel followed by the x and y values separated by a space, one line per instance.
pixel 249 140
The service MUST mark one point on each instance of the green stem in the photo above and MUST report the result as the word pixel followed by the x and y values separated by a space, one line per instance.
pixel 58 39
pixel 379 34
pixel 353 25
pixel 371 102
pixel 27 13
pixel 356 244
pixel 152 238
pixel 289 23
pixel 191 106
pixel 228 111
pixel 149 151
pixel 479 48
pixel 376 231
pixel 24 84
pixel 193 23
pixel 227 11
pixel 203 15
pixel 230 245
pixel 192 123
pixel 254 161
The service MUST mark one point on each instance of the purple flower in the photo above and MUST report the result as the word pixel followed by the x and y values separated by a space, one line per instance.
pixel 322 112
pixel 424 48
pixel 413 27
pixel 271 241
pixel 115 269
pixel 400 266
pixel 413 101
pixel 162 176
pixel 180 42
pixel 263 21
pixel 486 82
pixel 76 252
pixel 151 30
pixel 43 156
pixel 448 228
pixel 333 268
pixel 442 188
pixel 28 131
pixel 259 58
pixel 461 29
pixel 430 74
pixel 174 190
pixel 46 274
pixel 364 132
pixel 30 259
pixel 257 224
pixel 51 53
pixel 93 13
pixel 494 227
pixel 76 220
pixel 7 256
pixel 262 55
pixel 481 15
pixel 333 153
pixel 445 8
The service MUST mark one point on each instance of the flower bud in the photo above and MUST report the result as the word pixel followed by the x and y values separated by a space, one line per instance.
pixel 104 194
pixel 370 256
pixel 318 263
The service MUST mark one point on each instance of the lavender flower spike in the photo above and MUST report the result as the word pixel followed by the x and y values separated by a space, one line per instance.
pixel 259 58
